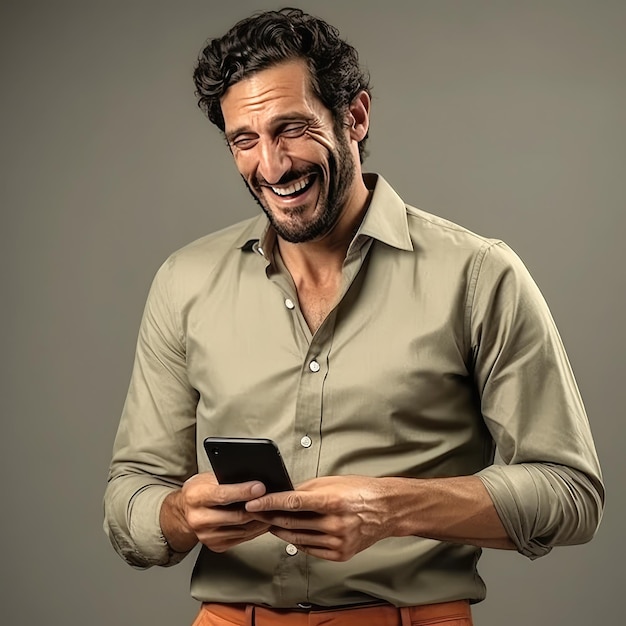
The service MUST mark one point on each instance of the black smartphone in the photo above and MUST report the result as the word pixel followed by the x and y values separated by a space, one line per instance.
pixel 241 459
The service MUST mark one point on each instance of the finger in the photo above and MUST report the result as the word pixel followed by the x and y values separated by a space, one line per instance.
pixel 202 517
pixel 285 501
pixel 327 555
pixel 309 541
pixel 319 546
pixel 251 529
pixel 209 494
pixel 221 539
pixel 239 492
pixel 300 521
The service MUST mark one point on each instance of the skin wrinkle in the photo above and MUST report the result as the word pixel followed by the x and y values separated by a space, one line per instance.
pixel 257 109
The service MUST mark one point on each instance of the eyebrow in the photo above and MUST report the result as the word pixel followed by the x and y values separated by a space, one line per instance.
pixel 273 123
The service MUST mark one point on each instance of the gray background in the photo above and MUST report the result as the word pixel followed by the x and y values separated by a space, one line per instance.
pixel 507 117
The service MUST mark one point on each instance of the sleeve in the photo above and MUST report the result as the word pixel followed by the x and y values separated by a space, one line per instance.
pixel 548 491
pixel 155 448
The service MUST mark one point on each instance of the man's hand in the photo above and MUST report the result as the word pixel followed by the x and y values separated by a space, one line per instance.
pixel 213 514
pixel 332 518
pixel 336 517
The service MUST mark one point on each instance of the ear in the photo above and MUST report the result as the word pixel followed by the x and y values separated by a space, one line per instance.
pixel 358 116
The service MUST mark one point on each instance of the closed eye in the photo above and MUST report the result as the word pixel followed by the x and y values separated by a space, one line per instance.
pixel 243 142
pixel 289 130
pixel 293 130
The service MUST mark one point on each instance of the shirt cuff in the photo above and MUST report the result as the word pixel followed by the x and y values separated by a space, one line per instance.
pixel 151 548
pixel 517 500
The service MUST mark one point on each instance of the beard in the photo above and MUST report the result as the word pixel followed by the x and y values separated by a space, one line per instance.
pixel 332 198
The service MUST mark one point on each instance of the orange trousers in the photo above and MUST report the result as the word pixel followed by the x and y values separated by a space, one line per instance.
pixel 445 614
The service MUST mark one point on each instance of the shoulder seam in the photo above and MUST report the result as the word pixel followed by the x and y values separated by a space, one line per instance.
pixel 444 223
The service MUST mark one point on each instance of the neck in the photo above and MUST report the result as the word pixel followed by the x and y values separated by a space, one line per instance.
pixel 320 260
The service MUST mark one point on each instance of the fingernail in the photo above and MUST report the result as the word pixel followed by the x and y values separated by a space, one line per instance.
pixel 257 490
pixel 252 506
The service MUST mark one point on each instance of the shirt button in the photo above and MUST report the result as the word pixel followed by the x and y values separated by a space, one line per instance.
pixel 289 304
pixel 314 366
pixel 291 550
pixel 306 442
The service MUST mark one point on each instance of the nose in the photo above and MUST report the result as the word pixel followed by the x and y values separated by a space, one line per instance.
pixel 274 162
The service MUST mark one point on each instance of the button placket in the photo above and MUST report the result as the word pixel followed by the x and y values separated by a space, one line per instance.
pixel 304 462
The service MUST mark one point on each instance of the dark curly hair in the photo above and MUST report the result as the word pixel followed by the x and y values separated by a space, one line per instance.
pixel 268 38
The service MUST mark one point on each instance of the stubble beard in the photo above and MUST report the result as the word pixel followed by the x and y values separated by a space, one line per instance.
pixel 332 200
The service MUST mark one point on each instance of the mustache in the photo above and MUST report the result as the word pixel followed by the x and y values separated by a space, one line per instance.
pixel 286 178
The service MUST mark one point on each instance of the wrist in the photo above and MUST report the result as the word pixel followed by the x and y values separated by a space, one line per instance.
pixel 402 503
pixel 174 528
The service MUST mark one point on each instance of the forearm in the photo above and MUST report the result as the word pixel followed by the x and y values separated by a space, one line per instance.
pixel 457 510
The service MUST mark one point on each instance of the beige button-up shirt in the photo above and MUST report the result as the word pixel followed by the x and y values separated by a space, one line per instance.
pixel 439 349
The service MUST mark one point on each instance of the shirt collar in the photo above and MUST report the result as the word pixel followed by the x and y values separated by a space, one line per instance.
pixel 385 220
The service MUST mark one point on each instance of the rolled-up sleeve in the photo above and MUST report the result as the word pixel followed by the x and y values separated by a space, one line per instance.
pixel 154 450
pixel 548 491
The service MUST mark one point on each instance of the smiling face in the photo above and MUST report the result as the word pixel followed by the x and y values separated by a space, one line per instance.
pixel 296 164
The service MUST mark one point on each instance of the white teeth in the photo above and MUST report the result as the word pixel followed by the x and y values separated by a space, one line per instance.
pixel 297 186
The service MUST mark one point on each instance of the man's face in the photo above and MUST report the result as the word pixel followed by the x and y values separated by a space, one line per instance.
pixel 286 149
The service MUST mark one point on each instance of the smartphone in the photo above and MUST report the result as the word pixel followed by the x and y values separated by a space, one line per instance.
pixel 241 459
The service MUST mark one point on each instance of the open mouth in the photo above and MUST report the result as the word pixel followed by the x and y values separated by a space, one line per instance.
pixel 295 188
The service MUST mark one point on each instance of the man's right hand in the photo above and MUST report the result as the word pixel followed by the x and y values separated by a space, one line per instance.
pixel 203 510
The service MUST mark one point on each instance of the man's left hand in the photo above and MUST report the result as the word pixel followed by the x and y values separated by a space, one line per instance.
pixel 332 518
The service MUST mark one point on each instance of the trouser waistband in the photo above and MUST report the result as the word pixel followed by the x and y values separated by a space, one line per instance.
pixel 215 614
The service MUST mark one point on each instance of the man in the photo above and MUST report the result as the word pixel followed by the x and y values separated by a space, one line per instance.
pixel 388 352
